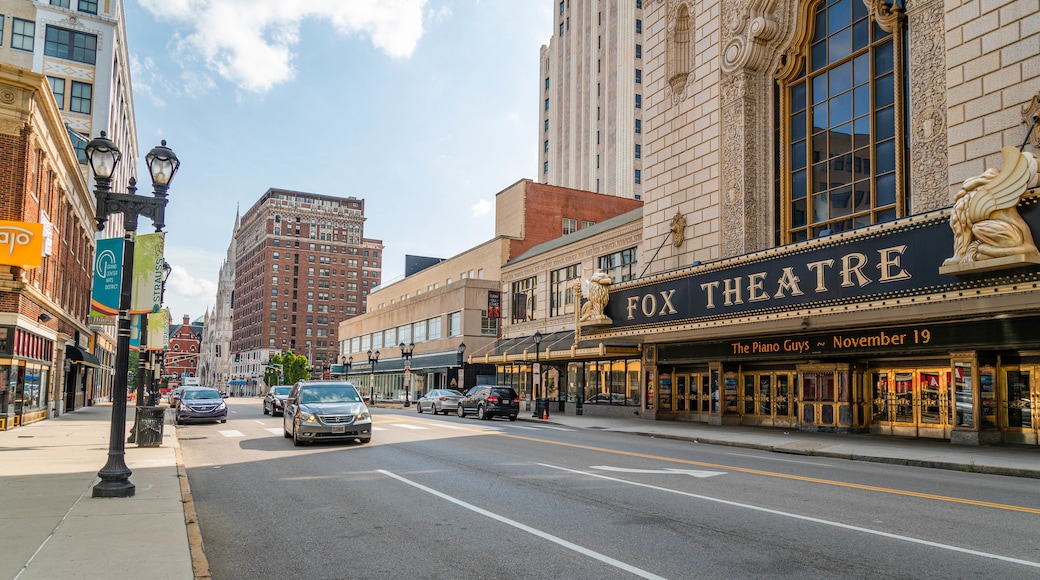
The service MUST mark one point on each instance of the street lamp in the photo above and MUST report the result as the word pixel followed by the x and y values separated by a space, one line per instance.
pixel 541 405
pixel 373 358
pixel 406 354
pixel 462 372
pixel 347 363
pixel 103 156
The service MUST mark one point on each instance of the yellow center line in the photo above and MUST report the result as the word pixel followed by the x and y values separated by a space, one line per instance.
pixel 874 488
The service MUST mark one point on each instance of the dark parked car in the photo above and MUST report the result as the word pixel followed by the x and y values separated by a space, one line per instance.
pixel 489 401
pixel 274 400
pixel 439 401
pixel 200 404
pixel 326 411
pixel 173 396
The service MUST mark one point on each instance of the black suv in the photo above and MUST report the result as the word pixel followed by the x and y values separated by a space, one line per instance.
pixel 488 401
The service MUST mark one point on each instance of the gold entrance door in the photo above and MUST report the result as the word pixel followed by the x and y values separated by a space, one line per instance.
pixel 768 399
pixel 693 393
pixel 913 403
pixel 1021 401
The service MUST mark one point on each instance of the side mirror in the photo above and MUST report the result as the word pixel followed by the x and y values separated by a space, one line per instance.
pixel 223 395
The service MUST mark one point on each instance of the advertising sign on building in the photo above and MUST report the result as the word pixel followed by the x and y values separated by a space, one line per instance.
pixel 21 244
pixel 494 308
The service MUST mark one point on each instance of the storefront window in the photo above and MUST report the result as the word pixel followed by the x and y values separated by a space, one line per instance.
pixel 963 389
pixel 1018 403
pixel 988 397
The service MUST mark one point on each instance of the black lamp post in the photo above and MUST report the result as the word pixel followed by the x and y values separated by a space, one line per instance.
pixel 162 165
pixel 406 354
pixel 347 363
pixel 541 403
pixel 462 369
pixel 373 358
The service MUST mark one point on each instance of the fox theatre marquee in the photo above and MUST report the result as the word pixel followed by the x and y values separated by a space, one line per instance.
pixel 924 326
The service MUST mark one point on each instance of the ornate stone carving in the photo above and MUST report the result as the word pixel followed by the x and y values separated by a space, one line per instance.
pixel 596 291
pixel 985 222
pixel 678 226
pixel 929 174
pixel 750 33
pixel 1031 117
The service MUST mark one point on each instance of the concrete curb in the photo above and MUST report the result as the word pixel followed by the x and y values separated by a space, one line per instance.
pixel 199 563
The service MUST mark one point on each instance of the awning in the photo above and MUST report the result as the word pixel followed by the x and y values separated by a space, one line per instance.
pixel 236 382
pixel 553 346
pixel 79 356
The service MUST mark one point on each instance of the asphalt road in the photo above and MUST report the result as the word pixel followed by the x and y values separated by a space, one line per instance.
pixel 443 497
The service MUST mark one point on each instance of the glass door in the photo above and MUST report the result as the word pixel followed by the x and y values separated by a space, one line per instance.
pixel 911 402
pixel 768 398
pixel 1021 404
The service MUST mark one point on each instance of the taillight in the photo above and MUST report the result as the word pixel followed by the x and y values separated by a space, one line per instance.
pixel 442 398
pixel 516 400
pixel 492 399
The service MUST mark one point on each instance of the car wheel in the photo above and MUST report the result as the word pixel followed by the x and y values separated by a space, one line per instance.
pixel 265 409
pixel 481 413
pixel 460 411
pixel 223 420
pixel 295 439
pixel 418 407
pixel 364 440
pixel 512 417
pixel 285 433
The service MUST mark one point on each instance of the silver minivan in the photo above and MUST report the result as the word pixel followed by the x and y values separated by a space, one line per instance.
pixel 326 411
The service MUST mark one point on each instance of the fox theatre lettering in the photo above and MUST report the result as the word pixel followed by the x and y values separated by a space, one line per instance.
pixel 901 260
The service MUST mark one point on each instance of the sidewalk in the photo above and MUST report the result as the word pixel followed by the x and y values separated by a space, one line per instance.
pixel 52 527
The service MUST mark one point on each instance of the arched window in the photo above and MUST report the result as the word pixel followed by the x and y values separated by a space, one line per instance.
pixel 680 60
pixel 842 102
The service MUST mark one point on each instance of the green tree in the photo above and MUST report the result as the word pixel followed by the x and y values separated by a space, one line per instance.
pixel 286 369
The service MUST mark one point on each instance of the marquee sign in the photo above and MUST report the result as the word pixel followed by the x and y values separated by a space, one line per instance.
pixel 901 258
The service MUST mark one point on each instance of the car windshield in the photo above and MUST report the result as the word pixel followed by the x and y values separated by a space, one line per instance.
pixel 335 394
pixel 201 394
pixel 282 390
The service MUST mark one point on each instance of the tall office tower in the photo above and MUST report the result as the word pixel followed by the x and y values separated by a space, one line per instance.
pixel 81 46
pixel 303 265
pixel 591 98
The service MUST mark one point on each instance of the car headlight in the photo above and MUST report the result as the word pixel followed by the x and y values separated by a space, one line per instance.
pixel 308 417
pixel 363 416
pixel 222 405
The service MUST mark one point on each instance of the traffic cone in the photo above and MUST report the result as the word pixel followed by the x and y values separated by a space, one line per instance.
pixel 545 414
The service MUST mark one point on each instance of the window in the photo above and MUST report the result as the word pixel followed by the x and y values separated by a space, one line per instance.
pixel 546 83
pixel 570 225
pixel 562 4
pixel 547 125
pixel 405 333
pixel 545 167
pixel 88 6
pixel 79 100
pixel 454 324
pixel 546 103
pixel 418 331
pixel 1 29
pixel 639 76
pixel 488 326
pixel 639 4
pixel 22 34
pixel 639 154
pixel 639 26
pixel 620 265
pixel 60 3
pixel 587 224
pixel 561 29
pixel 639 51
pixel 639 176
pixel 842 98
pixel 639 101
pixel 524 299
pixel 639 126
pixel 71 45
pixel 57 88
pixel 561 290
pixel 546 146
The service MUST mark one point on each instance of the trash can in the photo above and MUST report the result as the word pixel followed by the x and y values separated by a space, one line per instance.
pixel 149 426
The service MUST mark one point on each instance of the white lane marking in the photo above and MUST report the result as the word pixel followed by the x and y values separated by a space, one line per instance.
pixel 778 459
pixel 232 433
pixel 535 532
pixel 807 518
pixel 526 427
pixel 275 430
pixel 258 421
pixel 408 426
pixel 692 472
pixel 556 428
pixel 374 428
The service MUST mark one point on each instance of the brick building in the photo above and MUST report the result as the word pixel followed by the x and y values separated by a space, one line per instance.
pixel 46 365
pixel 182 358
pixel 302 266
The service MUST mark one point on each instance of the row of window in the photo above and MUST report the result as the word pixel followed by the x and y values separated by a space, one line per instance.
pixel 58 42
pixel 80 95
pixel 621 266
pixel 417 332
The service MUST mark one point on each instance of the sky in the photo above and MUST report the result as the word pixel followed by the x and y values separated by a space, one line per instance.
pixel 423 108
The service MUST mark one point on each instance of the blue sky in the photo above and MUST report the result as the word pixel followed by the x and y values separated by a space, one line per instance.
pixel 423 108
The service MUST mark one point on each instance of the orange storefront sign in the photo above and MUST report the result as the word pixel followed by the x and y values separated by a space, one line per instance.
pixel 21 244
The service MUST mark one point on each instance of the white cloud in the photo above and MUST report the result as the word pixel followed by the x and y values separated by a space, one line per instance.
pixel 481 209
pixel 251 42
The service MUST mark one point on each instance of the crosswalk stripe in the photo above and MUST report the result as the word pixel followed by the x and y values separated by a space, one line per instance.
pixel 407 426
pixel 275 430
pixel 374 428
pixel 232 433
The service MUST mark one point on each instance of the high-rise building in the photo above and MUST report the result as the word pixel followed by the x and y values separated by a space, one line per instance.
pixel 591 98
pixel 81 47
pixel 302 266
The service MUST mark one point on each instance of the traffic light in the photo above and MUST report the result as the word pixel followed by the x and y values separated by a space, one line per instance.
pixel 238 357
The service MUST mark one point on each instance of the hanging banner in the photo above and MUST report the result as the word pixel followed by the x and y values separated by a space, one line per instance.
pixel 108 265
pixel 21 244
pixel 159 330
pixel 146 286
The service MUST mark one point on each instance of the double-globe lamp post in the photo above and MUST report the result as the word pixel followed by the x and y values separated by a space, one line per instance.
pixel 459 353
pixel 406 354
pixel 373 358
pixel 104 156
pixel 541 404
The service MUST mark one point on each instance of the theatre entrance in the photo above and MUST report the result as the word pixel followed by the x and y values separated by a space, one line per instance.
pixel 911 402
